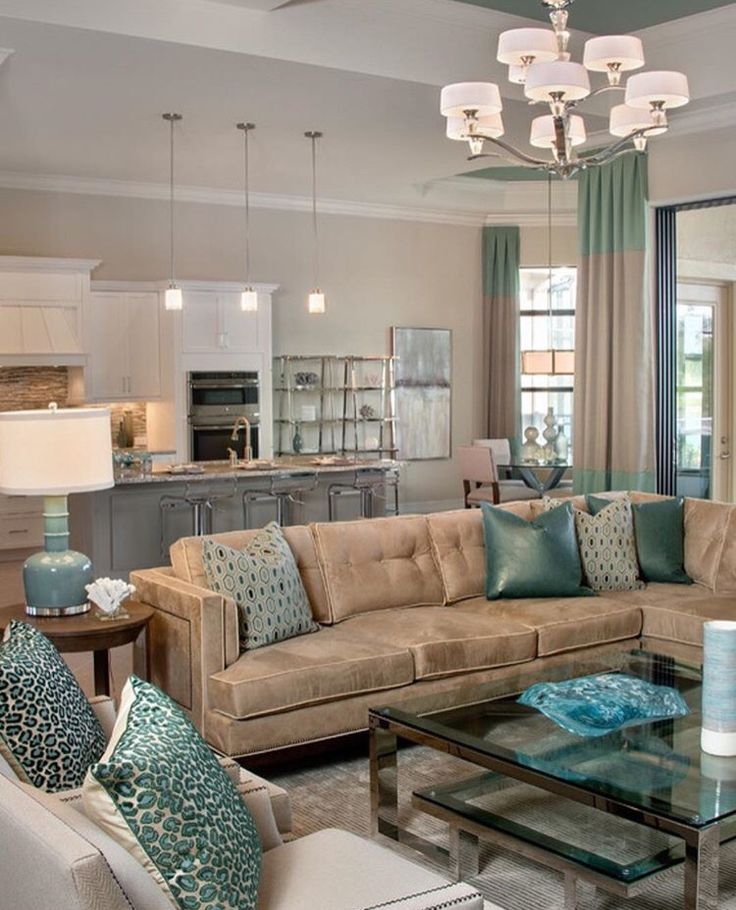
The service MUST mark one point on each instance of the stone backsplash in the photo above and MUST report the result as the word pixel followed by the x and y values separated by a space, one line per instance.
pixel 29 388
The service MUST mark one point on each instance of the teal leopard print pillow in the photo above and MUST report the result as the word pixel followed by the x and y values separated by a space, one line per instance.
pixel 264 581
pixel 49 734
pixel 161 794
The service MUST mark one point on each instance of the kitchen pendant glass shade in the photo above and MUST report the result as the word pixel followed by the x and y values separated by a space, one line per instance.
pixel 624 52
pixel 317 303
pixel 483 98
pixel 544 136
pixel 662 88
pixel 570 80
pixel 492 125
pixel 624 120
pixel 173 299
pixel 517 74
pixel 524 45
pixel 249 301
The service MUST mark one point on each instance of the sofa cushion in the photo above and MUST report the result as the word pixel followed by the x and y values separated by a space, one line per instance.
pixel 186 561
pixel 160 792
pixel 264 581
pixel 676 613
pixel 376 564
pixel 457 539
pixel 332 870
pixel 607 545
pixel 706 525
pixel 566 623
pixel 444 641
pixel 49 733
pixel 725 581
pixel 328 665
pixel 660 540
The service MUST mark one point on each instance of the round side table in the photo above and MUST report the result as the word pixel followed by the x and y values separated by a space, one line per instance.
pixel 87 632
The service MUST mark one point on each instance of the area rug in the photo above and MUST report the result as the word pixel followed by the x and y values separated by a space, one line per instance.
pixel 336 795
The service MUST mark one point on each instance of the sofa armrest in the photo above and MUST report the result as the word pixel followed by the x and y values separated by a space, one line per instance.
pixel 193 634
pixel 247 782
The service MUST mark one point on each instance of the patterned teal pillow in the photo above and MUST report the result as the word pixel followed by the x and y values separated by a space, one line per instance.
pixel 607 545
pixel 264 581
pixel 161 794
pixel 49 734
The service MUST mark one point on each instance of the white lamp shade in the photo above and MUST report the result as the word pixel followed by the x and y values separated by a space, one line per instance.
pixel 543 134
pixel 626 51
pixel 519 43
pixel 173 299
pixel 665 87
pixel 249 301
pixel 55 452
pixel 569 79
pixel 491 125
pixel 317 303
pixel 517 74
pixel 625 120
pixel 482 97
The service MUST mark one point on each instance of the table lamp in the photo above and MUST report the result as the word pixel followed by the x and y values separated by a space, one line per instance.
pixel 53 453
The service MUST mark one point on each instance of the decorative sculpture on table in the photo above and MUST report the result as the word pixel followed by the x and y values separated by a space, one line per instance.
pixel 531 450
pixel 718 734
pixel 108 595
pixel 550 435
pixel 562 446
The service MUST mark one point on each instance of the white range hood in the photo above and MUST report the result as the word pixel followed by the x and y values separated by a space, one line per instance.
pixel 41 307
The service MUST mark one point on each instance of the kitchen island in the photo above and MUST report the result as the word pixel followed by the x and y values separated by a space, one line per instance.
pixel 132 525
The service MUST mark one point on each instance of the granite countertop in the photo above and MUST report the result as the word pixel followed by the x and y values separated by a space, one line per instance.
pixel 222 470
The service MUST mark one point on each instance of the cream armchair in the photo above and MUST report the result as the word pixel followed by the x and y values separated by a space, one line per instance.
pixel 481 482
pixel 51 855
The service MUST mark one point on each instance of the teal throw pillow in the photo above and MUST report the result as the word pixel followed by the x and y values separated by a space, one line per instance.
pixel 607 544
pixel 49 734
pixel 660 540
pixel 264 581
pixel 536 558
pixel 160 792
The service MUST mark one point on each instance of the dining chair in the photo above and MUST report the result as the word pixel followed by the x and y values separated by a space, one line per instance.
pixel 481 482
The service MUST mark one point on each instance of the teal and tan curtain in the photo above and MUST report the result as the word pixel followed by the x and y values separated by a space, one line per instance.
pixel 501 378
pixel 614 337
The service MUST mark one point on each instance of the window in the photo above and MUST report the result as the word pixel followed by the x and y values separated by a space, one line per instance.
pixel 547 327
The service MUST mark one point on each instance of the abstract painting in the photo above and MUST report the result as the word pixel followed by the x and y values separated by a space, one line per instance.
pixel 423 376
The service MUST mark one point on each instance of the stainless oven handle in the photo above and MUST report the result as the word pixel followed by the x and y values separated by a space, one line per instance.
pixel 244 384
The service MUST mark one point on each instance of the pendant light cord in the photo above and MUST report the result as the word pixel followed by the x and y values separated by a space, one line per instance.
pixel 549 251
pixel 315 228
pixel 246 183
pixel 171 200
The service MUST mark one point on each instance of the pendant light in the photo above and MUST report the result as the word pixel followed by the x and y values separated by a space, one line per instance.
pixel 173 298
pixel 316 304
pixel 249 297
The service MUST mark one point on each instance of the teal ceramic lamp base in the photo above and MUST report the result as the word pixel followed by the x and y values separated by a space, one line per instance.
pixel 55 579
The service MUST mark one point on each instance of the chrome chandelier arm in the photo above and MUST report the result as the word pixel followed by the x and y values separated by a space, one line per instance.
pixel 509 152
pixel 613 151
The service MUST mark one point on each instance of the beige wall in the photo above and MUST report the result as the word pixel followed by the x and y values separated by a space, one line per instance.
pixel 376 274
pixel 695 166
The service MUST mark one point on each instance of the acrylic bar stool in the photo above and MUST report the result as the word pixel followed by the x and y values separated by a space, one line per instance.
pixel 284 492
pixel 201 501
pixel 369 483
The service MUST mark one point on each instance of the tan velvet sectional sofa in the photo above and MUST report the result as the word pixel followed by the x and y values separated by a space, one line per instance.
pixel 402 611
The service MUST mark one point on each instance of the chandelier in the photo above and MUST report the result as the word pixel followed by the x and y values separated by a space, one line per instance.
pixel 538 59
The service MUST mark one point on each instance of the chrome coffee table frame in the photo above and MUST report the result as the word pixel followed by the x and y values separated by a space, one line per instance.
pixel 701 843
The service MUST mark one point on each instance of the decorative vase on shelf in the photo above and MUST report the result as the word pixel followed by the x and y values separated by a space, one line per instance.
pixel 297 443
pixel 531 451
pixel 718 734
pixel 562 446
pixel 550 434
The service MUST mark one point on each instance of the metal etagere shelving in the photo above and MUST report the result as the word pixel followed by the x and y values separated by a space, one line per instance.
pixel 335 405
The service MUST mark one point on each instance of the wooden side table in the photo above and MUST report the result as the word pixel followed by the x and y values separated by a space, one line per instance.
pixel 87 632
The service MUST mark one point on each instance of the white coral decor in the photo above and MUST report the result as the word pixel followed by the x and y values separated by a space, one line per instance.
pixel 109 593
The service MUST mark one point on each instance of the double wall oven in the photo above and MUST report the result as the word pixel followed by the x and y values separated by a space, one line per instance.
pixel 216 401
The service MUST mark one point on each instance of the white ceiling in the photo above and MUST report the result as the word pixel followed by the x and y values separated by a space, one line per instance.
pixel 82 96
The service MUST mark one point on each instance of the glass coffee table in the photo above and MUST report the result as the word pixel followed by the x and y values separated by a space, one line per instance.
pixel 614 810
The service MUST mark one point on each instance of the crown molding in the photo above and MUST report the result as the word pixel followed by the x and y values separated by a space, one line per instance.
pixel 532 219
pixel 189 285
pixel 46 264
pixel 91 186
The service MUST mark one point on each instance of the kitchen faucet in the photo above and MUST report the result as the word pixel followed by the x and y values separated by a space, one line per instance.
pixel 243 422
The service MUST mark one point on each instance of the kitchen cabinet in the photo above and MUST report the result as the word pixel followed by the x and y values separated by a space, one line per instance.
pixel 214 323
pixel 122 340
pixel 21 522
